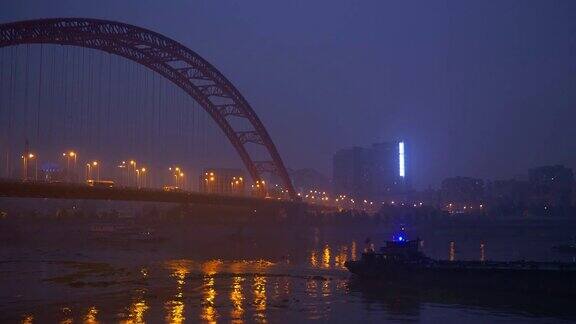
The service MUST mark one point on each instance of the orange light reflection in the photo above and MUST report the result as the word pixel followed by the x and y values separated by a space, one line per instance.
pixel 209 312
pixel 259 287
pixel 237 299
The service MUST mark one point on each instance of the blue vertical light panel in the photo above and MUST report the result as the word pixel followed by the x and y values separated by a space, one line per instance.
pixel 401 166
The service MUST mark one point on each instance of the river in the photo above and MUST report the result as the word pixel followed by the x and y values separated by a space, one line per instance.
pixel 212 273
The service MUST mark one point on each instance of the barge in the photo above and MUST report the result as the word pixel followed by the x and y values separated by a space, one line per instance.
pixel 401 262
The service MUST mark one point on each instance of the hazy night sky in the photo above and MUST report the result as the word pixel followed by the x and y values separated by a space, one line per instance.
pixel 475 88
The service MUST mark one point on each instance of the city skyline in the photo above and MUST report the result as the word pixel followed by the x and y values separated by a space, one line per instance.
pixel 460 102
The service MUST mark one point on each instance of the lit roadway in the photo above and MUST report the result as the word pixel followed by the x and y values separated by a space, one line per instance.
pixel 20 189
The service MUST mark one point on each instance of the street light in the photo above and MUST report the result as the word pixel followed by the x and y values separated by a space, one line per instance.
pixel 171 169
pixel 89 166
pixel 88 171
pixel 143 170
pixel 133 164
pixel 97 167
pixel 211 184
pixel 178 173
pixel 123 171
pixel 68 156
pixel 30 157
pixel 75 156
pixel 25 161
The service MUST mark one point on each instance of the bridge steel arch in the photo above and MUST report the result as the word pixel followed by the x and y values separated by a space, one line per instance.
pixel 177 63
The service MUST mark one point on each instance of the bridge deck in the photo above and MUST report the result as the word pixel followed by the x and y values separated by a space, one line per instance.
pixel 79 191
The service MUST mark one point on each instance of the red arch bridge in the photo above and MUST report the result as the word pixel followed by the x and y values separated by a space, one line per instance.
pixel 176 63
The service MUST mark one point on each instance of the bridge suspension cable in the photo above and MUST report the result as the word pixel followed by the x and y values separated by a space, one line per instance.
pixel 221 101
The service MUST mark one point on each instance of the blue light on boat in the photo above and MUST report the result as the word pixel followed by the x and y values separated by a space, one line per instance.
pixel 399 236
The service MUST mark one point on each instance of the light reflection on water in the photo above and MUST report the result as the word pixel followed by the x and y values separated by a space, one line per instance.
pixel 313 259
pixel 183 290
pixel 237 299
pixel 341 257
pixel 66 316
pixel 90 317
pixel 336 261
pixel 27 319
pixel 353 249
pixel 175 306
pixel 137 309
pixel 209 312
pixel 259 287
pixel 312 288
pixel 326 257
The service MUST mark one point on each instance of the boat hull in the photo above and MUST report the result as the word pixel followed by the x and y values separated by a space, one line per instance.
pixel 459 275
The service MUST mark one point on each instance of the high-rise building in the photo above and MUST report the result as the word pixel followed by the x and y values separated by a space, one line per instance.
pixel 371 172
pixel 508 193
pixel 223 181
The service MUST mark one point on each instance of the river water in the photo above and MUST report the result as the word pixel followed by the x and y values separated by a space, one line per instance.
pixel 210 273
